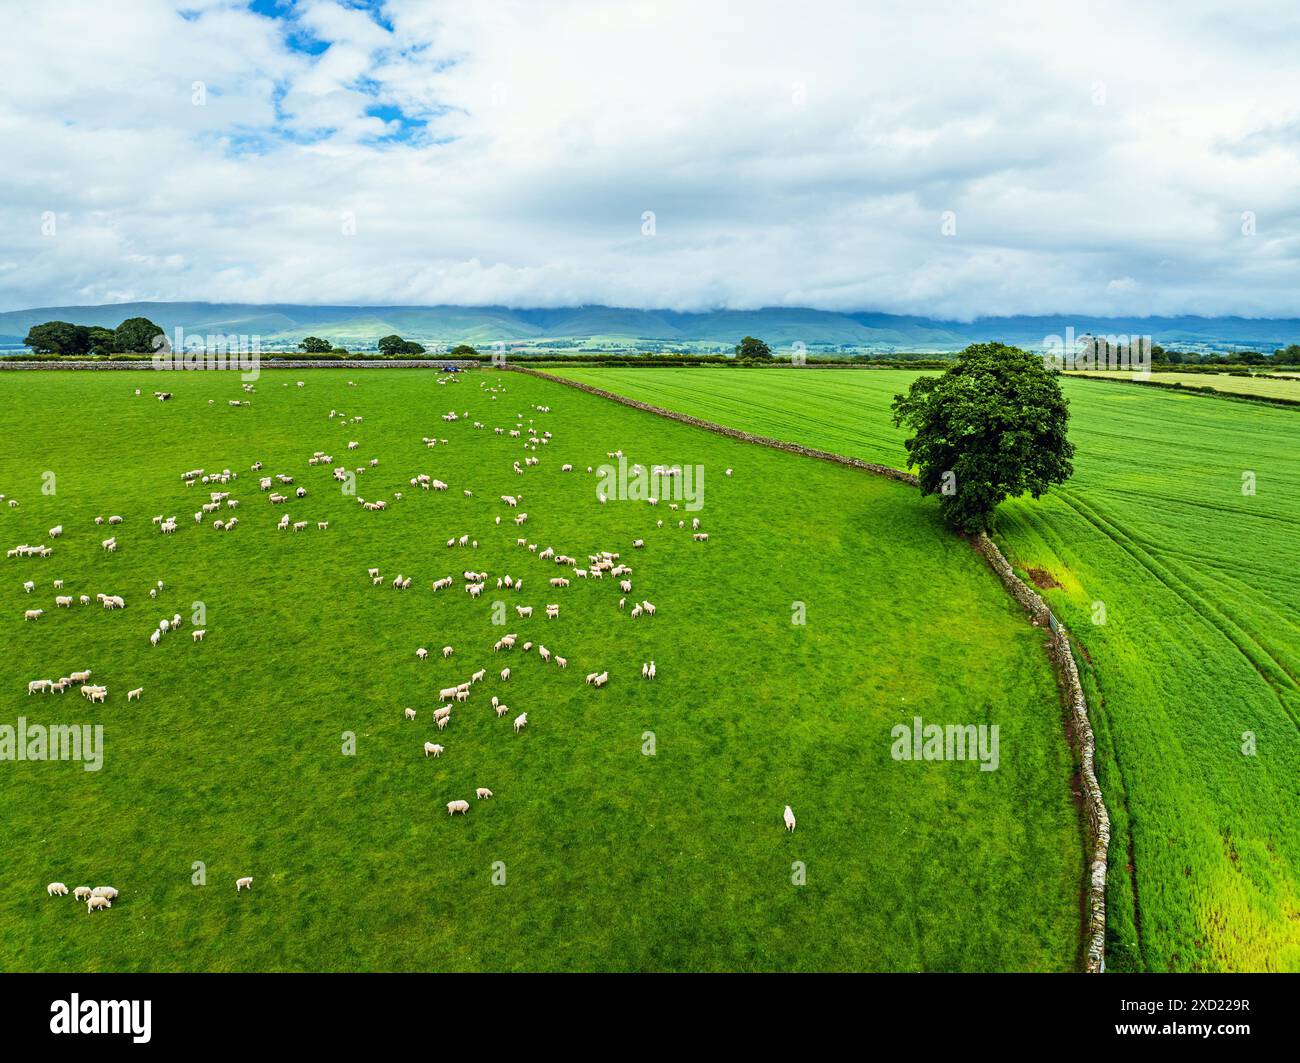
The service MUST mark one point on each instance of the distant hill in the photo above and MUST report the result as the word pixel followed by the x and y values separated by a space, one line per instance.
pixel 606 327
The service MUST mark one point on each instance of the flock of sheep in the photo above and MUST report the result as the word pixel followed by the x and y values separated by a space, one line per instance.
pixel 599 564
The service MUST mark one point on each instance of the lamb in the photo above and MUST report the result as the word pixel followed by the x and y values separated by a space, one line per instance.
pixel 457 806
pixel 521 721
pixel 563 662
pixel 95 903
pixel 29 586
pixel 409 713
pixel 56 531
pixel 197 636
pixel 789 815
pixel 133 695
pixel 482 792
pixel 431 749
pixel 600 680
pixel 501 710
pixel 422 653
pixel 56 889
pixel 245 883
pixel 505 674
pixel 81 893
pixel 447 651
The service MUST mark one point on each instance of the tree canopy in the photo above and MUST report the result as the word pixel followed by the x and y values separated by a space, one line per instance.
pixel 991 427
pixel 750 347
pixel 463 350
pixel 58 337
pixel 137 335
pixel 315 345
pixel 395 345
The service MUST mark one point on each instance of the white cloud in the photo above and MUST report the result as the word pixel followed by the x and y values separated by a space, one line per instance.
pixel 1097 159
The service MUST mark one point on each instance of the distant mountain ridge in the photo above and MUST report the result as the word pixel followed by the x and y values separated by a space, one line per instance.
pixel 606 327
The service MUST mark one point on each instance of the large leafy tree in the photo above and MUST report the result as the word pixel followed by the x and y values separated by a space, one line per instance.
pixel 991 427
pixel 138 335
pixel 395 345
pixel 751 348
pixel 315 345
pixel 58 337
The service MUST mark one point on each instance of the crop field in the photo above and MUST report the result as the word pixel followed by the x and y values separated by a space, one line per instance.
pixel 637 826
pixel 1171 556
pixel 1271 386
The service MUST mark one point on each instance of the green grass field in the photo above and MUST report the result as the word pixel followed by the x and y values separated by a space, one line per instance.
pixel 1197 659
pixel 613 860
pixel 1259 385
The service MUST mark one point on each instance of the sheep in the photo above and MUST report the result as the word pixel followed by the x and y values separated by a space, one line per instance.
pixel 648 607
pixel 482 792
pixel 600 680
pixel 81 893
pixel 563 662
pixel 505 674
pixel 33 614
pixel 107 892
pixel 409 713
pixel 638 544
pixel 197 635
pixel 133 695
pixel 422 653
pixel 39 685
pixel 95 903
pixel 447 651
pixel 56 889
pixel 521 721
pixel 246 883
pixel 80 677
pixel 543 653
pixel 789 815
pixel 501 710
pixel 457 806
pixel 29 586
pixel 652 670
pixel 56 531
pixel 432 749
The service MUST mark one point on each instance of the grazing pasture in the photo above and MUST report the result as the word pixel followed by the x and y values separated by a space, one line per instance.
pixel 284 742
pixel 1171 555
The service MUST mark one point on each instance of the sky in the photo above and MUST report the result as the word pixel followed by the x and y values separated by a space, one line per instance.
pixel 950 160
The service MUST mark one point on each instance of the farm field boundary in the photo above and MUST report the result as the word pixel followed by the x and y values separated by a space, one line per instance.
pixel 1059 650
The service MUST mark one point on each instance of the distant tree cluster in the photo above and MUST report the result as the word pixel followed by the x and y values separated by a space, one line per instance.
pixel 135 335
pixel 751 349
pixel 394 346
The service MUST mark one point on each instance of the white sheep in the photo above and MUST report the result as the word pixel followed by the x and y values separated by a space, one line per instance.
pixel 521 721
pixel 431 749
pixel 245 883
pixel 482 792
pixel 789 815
pixel 56 889
pixel 457 806
pixel 409 713
pixel 132 695
pixel 95 903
